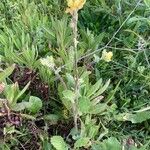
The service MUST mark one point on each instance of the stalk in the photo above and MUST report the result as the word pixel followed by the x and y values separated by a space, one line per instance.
pixel 74 21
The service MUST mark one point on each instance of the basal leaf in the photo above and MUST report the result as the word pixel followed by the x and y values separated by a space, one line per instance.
pixel 20 106
pixel 99 108
pixel 59 143
pixel 34 104
pixel 22 92
pixel 134 118
pixel 94 88
pixel 68 94
pixel 84 104
pixel 109 144
pixel 101 90
pixel 138 117
pixel 5 73
pixel 82 142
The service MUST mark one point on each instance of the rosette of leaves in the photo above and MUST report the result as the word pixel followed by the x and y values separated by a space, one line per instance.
pixel 14 99
pixel 13 95
pixel 89 95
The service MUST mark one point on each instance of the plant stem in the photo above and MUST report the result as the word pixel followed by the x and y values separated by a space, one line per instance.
pixel 75 34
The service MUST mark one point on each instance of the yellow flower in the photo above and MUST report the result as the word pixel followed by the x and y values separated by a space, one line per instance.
pixel 107 56
pixel 74 5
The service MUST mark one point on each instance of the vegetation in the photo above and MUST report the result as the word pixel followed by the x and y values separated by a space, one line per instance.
pixel 74 75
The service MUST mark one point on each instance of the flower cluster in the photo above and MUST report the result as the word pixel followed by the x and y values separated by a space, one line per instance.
pixel 107 56
pixel 74 5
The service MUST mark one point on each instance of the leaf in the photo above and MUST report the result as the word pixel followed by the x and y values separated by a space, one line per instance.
pixel 111 95
pixel 5 73
pixel 65 102
pixel 59 143
pixel 46 145
pixel 101 90
pixel 143 109
pixel 110 144
pixel 68 94
pixel 147 3
pixel 94 88
pixel 84 104
pixel 138 117
pixel 20 106
pixel 4 147
pixel 82 142
pixel 134 118
pixel 22 92
pixel 93 131
pixel 70 79
pixel 10 92
pixel 99 108
pixel 34 104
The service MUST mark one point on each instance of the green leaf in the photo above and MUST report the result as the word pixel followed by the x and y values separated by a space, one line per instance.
pixel 99 108
pixel 147 3
pixel 68 94
pixel 101 90
pixel 84 104
pixel 109 144
pixel 34 105
pixel 112 144
pixel 138 117
pixel 5 73
pixel 11 92
pixel 82 142
pixel 22 92
pixel 94 88
pixel 93 131
pixel 20 106
pixel 59 143
pixel 4 146
pixel 66 103
pixel 46 145
pixel 70 79
pixel 111 95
